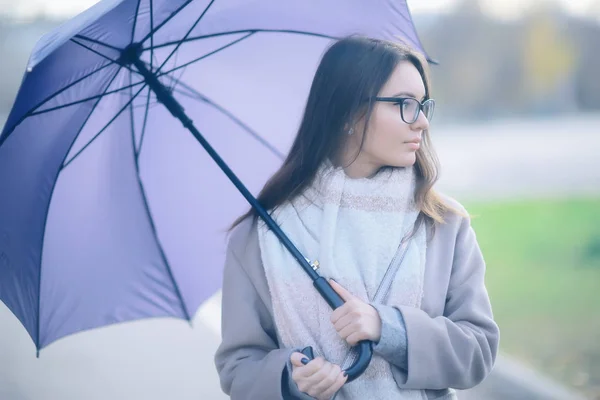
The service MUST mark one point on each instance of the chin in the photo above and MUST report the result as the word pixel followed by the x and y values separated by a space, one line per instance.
pixel 406 160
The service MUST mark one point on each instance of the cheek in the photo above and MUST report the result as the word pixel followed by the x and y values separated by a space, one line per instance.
pixel 388 131
pixel 385 141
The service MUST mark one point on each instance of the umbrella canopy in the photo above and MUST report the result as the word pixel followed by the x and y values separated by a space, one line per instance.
pixel 110 209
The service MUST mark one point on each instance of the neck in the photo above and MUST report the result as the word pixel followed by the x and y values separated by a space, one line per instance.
pixel 359 169
pixel 356 172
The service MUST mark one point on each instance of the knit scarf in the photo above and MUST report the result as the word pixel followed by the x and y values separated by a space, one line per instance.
pixel 353 227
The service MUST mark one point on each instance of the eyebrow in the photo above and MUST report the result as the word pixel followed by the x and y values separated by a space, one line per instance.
pixel 409 94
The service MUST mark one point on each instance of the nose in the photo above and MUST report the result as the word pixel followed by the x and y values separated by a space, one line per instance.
pixel 421 124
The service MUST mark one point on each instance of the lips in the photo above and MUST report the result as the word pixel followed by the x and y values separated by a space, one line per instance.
pixel 414 144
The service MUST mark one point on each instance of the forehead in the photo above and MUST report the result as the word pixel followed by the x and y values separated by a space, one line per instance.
pixel 404 78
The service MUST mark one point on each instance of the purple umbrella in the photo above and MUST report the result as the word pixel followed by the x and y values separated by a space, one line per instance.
pixel 110 210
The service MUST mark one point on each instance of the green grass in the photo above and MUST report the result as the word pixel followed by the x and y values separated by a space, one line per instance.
pixel 543 277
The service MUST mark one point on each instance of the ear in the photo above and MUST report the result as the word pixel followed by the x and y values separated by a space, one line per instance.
pixel 349 128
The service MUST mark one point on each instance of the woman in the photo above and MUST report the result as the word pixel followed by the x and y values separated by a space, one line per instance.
pixel 355 194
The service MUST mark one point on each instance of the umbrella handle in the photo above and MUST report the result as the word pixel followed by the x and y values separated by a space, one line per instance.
pixel 364 347
pixel 365 352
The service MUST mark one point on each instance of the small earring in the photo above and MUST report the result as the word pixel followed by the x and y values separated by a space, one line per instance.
pixel 350 131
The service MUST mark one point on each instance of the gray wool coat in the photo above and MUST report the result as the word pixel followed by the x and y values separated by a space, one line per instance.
pixel 450 343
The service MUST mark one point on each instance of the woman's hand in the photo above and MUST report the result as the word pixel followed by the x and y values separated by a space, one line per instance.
pixel 319 378
pixel 355 320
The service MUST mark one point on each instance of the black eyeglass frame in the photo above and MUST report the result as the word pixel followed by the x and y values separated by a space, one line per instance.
pixel 400 101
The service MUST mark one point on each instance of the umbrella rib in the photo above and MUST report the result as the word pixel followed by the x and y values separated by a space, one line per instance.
pixel 174 63
pixel 186 35
pixel 207 55
pixel 174 13
pixel 98 53
pixel 47 99
pixel 137 11
pixel 190 39
pixel 38 342
pixel 139 148
pixel 95 41
pixel 47 110
pixel 159 246
pixel 143 106
pixel 151 36
pixel 103 129
pixel 131 113
pixel 198 96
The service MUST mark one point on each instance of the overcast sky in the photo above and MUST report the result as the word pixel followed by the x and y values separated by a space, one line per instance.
pixel 502 9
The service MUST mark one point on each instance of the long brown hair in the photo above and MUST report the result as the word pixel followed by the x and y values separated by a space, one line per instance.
pixel 351 70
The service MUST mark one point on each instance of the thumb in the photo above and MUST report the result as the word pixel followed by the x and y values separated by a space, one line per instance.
pixel 344 294
pixel 296 359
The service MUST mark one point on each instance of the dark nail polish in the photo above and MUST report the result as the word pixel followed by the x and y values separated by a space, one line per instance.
pixel 305 361
pixel 345 374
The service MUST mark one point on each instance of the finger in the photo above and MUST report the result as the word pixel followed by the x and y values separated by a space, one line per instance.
pixel 344 322
pixel 348 331
pixel 314 380
pixel 322 372
pixel 337 385
pixel 356 337
pixel 304 372
pixel 329 375
pixel 304 376
pixel 296 359
pixel 340 312
pixel 328 380
pixel 344 294
pixel 313 368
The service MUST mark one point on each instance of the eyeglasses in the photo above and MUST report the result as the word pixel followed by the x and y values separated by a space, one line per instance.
pixel 410 107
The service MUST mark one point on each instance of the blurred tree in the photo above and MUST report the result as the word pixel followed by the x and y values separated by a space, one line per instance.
pixel 543 62
pixel 549 61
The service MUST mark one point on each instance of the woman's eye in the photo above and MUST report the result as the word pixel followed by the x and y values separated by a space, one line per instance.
pixel 409 105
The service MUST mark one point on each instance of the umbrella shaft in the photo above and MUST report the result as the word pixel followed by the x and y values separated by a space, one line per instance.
pixel 365 349
pixel 165 96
